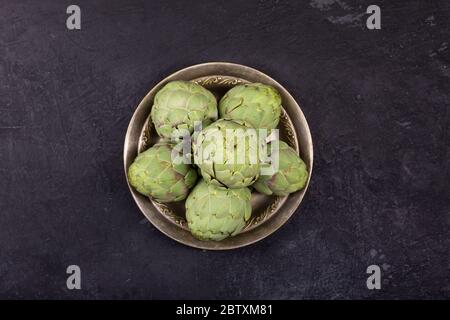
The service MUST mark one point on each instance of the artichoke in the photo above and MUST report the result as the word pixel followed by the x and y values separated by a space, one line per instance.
pixel 291 176
pixel 178 105
pixel 214 213
pixel 226 153
pixel 154 173
pixel 257 104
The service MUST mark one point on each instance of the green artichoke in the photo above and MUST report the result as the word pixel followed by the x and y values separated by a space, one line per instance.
pixel 256 103
pixel 290 177
pixel 178 105
pixel 154 173
pixel 227 154
pixel 214 213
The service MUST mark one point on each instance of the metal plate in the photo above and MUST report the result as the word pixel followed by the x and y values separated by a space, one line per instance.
pixel 268 212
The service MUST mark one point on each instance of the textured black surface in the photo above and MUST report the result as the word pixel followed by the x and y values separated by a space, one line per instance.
pixel 377 103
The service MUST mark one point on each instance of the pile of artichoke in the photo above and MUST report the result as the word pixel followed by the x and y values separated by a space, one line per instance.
pixel 228 154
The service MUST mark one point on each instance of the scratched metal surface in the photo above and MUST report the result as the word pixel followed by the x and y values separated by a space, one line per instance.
pixel 377 103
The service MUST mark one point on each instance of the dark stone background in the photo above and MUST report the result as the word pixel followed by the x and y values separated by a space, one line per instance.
pixel 377 103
